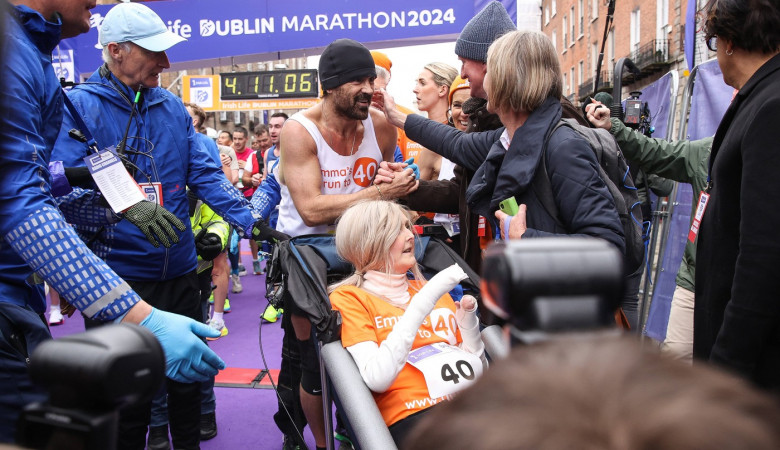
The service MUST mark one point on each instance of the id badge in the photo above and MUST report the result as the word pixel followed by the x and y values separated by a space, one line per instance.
pixel 704 198
pixel 115 183
pixel 482 227
pixel 152 192
pixel 447 369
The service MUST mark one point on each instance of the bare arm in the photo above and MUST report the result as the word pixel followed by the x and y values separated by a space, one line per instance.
pixel 301 173
pixel 246 177
pixel 232 175
pixel 429 164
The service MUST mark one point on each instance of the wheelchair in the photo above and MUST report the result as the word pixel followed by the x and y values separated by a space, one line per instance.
pixel 302 268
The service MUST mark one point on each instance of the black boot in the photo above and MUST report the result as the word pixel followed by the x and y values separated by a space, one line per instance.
pixel 208 426
pixel 158 438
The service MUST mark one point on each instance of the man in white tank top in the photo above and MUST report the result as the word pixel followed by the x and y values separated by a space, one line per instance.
pixel 329 156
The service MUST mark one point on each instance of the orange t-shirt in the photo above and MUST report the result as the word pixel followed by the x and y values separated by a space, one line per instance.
pixel 409 148
pixel 366 317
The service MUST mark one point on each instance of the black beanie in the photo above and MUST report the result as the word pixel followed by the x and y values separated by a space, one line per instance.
pixel 345 60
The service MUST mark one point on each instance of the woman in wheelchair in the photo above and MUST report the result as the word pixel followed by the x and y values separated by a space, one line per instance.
pixel 414 346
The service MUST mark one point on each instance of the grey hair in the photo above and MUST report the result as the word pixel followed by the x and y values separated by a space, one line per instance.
pixel 382 73
pixel 107 55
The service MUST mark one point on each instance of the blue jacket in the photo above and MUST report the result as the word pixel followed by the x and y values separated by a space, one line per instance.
pixel 35 234
pixel 584 203
pixel 163 145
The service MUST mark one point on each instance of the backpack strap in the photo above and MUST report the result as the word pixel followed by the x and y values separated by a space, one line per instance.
pixel 541 182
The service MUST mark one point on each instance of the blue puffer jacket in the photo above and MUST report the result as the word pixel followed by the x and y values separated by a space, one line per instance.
pixel 584 203
pixel 35 235
pixel 163 144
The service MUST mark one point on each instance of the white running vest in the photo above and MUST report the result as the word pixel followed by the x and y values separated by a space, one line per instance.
pixel 340 175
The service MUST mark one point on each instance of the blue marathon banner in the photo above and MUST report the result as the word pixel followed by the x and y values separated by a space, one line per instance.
pixel 228 32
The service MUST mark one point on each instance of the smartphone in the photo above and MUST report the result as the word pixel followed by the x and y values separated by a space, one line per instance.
pixel 509 206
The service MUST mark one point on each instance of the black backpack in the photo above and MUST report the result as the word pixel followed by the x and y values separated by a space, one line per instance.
pixel 613 169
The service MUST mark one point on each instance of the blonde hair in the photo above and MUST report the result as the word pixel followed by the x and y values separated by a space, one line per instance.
pixel 443 74
pixel 523 71
pixel 364 235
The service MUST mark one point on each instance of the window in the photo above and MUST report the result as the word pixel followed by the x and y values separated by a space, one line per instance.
pixel 663 12
pixel 565 30
pixel 611 49
pixel 573 26
pixel 594 58
pixel 581 5
pixel 554 8
pixel 635 22
pixel 662 19
pixel 546 15
pixel 571 77
pixel 581 69
pixel 555 39
pixel 565 83
pixel 594 10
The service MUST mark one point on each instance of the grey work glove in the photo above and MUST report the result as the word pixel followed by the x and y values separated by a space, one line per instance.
pixel 263 232
pixel 155 222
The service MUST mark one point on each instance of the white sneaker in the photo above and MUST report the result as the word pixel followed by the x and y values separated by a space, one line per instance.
pixel 237 288
pixel 218 325
pixel 55 317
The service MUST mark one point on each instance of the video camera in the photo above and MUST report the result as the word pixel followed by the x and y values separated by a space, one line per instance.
pixel 553 285
pixel 637 113
pixel 90 376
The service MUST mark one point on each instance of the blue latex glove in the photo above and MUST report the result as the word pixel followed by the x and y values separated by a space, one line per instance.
pixel 187 358
pixel 411 165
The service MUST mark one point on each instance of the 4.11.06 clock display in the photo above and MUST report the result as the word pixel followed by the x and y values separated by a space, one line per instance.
pixel 269 84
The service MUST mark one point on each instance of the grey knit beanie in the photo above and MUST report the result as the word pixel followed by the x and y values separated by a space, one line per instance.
pixel 484 28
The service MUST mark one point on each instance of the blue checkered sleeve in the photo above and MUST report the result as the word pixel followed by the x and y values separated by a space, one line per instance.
pixel 54 251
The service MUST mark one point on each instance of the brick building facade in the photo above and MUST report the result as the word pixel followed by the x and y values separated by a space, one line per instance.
pixel 649 32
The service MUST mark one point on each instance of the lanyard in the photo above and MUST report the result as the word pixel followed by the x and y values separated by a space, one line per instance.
pixel 80 124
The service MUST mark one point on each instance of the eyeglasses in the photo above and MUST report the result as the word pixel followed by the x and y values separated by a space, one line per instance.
pixel 712 43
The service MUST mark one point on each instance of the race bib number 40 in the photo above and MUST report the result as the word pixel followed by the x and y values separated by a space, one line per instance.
pixel 446 369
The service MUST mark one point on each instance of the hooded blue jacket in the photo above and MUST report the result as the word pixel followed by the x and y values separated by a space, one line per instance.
pixel 35 234
pixel 162 144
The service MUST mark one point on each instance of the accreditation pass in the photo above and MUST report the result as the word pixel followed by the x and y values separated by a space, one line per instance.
pixel 113 180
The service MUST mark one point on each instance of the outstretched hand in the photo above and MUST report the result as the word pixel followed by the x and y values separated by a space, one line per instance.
pixel 264 232
pixel 187 358
pixel 155 222
pixel 384 102
pixel 440 284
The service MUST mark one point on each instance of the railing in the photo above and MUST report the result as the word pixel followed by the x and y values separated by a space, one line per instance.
pixel 655 52
pixel 605 83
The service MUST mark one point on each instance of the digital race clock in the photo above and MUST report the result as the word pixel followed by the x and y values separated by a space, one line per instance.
pixel 271 84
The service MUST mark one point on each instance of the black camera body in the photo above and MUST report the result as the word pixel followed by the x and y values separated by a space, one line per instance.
pixel 553 285
pixel 90 376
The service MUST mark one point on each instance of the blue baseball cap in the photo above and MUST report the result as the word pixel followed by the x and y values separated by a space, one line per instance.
pixel 136 23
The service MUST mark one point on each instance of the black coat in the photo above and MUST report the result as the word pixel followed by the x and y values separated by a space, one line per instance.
pixel 586 207
pixel 737 312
